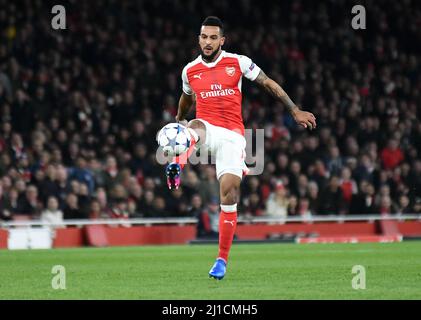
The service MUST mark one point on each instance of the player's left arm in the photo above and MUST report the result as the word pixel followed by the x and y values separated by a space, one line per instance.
pixel 304 118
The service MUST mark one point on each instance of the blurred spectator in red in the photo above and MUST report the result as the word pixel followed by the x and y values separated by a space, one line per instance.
pixel 348 186
pixel 119 209
pixel 392 155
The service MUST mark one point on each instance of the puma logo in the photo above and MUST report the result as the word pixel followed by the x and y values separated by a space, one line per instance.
pixel 229 221
pixel 198 76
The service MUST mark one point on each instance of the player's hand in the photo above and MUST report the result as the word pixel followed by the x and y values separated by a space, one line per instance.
pixel 184 122
pixel 305 119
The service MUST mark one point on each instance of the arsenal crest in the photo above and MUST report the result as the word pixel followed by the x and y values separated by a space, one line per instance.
pixel 230 71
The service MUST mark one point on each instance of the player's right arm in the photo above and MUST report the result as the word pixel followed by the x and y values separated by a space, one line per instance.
pixel 254 73
pixel 187 97
pixel 184 104
pixel 304 118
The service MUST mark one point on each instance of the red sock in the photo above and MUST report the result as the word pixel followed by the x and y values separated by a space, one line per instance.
pixel 227 225
pixel 182 158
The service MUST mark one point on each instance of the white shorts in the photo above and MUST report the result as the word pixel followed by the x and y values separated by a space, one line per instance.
pixel 228 149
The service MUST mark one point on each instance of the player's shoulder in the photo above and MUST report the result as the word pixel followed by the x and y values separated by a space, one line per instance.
pixel 191 64
pixel 239 57
pixel 245 63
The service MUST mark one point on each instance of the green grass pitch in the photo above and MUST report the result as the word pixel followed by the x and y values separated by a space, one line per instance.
pixel 255 271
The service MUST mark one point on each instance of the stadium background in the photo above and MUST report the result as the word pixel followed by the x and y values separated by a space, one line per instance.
pixel 80 107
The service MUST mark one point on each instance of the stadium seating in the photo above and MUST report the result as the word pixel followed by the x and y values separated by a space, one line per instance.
pixel 80 108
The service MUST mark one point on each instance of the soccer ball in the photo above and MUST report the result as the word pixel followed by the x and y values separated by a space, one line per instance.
pixel 174 139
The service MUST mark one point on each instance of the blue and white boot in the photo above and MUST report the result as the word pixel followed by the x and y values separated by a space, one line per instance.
pixel 218 269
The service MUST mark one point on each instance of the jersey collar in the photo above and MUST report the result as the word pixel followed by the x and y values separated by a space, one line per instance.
pixel 212 64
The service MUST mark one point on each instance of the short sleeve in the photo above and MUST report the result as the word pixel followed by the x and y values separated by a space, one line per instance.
pixel 186 85
pixel 249 69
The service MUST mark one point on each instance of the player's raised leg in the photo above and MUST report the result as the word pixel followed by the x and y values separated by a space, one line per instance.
pixel 229 193
pixel 197 132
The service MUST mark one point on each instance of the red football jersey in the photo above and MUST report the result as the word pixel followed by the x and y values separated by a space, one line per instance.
pixel 217 86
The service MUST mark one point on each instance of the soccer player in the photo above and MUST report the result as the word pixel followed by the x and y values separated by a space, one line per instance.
pixel 213 81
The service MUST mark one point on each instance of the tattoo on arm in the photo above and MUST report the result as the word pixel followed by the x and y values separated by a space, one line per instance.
pixel 261 78
pixel 275 90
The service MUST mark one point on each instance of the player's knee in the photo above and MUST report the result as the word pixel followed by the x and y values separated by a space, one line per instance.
pixel 229 195
pixel 199 128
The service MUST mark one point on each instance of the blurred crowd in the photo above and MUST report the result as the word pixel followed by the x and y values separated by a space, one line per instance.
pixel 80 108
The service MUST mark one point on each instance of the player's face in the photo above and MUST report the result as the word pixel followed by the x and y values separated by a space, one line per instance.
pixel 210 41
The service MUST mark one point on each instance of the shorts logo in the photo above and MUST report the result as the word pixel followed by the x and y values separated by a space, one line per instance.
pixel 230 71
pixel 229 221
